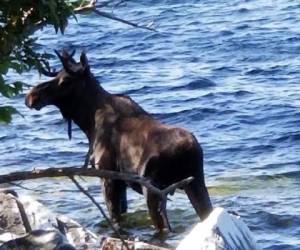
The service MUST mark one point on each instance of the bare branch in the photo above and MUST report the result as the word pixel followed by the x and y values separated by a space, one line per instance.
pixel 21 208
pixel 101 211
pixel 88 7
pixel 93 7
pixel 171 189
pixel 113 17
pixel 72 171
pixel 20 186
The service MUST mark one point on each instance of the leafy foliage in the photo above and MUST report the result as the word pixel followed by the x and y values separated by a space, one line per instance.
pixel 19 19
pixel 6 112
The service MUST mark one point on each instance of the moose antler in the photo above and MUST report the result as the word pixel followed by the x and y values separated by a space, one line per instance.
pixel 66 59
pixel 48 72
pixel 68 56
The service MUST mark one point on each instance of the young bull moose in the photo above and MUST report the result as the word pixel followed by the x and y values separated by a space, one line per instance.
pixel 123 137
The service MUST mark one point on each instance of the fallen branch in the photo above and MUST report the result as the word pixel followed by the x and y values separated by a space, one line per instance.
pixel 73 171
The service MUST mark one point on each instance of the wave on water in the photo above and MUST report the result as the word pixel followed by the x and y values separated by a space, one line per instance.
pixel 228 71
pixel 200 83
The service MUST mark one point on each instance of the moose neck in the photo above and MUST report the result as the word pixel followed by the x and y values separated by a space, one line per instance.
pixel 83 104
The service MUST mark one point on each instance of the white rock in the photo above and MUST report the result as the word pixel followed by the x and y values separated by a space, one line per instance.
pixel 41 218
pixel 220 231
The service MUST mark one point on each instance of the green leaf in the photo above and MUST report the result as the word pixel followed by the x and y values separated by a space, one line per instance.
pixel 4 66
pixel 10 90
pixel 18 86
pixel 6 113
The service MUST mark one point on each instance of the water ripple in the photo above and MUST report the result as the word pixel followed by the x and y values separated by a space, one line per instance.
pixel 228 71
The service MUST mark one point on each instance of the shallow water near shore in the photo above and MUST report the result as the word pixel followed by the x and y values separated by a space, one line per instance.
pixel 226 70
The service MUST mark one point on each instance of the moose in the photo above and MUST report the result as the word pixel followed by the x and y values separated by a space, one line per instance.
pixel 124 137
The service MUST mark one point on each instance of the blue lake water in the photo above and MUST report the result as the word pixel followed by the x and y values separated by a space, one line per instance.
pixel 226 70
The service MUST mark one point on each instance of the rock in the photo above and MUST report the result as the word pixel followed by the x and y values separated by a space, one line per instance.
pixel 220 231
pixel 10 217
pixel 116 244
pixel 49 231
pixel 46 230
pixel 53 230
pixel 39 240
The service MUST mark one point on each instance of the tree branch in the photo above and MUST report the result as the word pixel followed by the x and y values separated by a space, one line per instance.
pixel 113 17
pixel 93 7
pixel 72 171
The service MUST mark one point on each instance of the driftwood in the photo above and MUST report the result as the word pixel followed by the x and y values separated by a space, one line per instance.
pixel 73 171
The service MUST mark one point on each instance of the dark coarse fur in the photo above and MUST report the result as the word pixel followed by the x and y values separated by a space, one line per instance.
pixel 124 137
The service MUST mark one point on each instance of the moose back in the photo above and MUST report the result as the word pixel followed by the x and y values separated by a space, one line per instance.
pixel 124 137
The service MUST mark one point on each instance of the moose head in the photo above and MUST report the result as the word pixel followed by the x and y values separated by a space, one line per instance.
pixel 67 82
pixel 73 90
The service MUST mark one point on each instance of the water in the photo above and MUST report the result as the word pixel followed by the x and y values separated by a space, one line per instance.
pixel 226 70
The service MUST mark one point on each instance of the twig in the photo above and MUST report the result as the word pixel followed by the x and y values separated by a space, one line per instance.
pixel 24 216
pixel 117 4
pixel 93 7
pixel 20 186
pixel 170 189
pixel 90 6
pixel 101 210
pixel 103 4
pixel 113 17
pixel 21 208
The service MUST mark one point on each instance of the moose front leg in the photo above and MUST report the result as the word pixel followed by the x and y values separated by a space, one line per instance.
pixel 114 192
pixel 88 159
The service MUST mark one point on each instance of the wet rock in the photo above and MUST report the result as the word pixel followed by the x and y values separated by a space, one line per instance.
pixel 116 244
pixel 220 231
pixel 46 229
pixel 39 240
pixel 10 217
pixel 49 231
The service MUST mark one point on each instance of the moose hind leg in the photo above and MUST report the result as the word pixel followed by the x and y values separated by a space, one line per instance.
pixel 157 211
pixel 114 192
pixel 199 197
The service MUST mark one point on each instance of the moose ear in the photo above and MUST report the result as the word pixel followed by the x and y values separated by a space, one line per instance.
pixel 84 61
